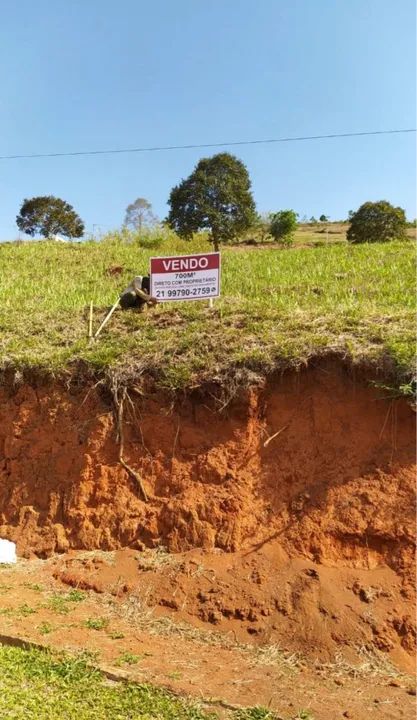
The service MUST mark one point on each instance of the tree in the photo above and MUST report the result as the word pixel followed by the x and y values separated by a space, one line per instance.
pixel 215 197
pixel 283 226
pixel 323 218
pixel 48 215
pixel 377 221
pixel 258 231
pixel 139 214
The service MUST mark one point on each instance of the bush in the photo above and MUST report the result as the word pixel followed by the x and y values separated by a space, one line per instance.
pixel 150 242
pixel 148 238
pixel 258 232
pixel 283 226
pixel 377 222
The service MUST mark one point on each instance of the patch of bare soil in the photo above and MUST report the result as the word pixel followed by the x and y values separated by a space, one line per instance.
pixel 288 519
pixel 131 628
pixel 261 596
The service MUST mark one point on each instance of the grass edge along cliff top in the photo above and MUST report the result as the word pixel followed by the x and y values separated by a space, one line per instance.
pixel 277 307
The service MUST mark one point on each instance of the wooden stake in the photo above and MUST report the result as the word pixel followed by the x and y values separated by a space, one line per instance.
pixel 90 322
pixel 107 318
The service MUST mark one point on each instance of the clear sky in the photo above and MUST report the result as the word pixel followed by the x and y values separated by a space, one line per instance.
pixel 92 74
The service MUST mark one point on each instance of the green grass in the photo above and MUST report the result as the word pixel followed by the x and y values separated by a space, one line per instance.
pixel 25 610
pixel 96 623
pixel 60 604
pixel 260 713
pixel 76 596
pixel 277 307
pixel 37 685
pixel 45 628
pixel 256 713
pixel 33 586
pixel 128 658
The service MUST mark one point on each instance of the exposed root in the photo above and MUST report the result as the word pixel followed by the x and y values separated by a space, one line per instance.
pixel 272 437
pixel 118 399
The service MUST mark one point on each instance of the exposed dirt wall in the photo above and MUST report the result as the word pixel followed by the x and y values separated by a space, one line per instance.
pixel 335 484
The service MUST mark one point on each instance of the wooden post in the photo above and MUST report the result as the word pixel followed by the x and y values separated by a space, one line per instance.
pixel 90 322
pixel 107 318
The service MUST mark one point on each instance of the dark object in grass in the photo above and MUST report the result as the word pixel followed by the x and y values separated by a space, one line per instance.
pixel 137 294
pixel 114 270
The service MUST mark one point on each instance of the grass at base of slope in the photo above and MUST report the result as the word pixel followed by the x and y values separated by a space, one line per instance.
pixel 277 306
pixel 42 686
pixel 37 685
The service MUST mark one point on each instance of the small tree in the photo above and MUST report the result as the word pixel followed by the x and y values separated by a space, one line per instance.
pixel 283 226
pixel 47 215
pixel 377 221
pixel 323 218
pixel 215 197
pixel 139 214
pixel 259 228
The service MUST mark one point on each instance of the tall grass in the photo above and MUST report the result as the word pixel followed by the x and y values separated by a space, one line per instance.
pixel 275 304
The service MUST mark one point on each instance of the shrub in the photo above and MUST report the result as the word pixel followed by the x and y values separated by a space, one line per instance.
pixel 258 232
pixel 283 226
pixel 377 222
pixel 150 240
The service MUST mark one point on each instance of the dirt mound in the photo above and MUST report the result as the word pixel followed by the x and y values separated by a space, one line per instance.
pixel 261 597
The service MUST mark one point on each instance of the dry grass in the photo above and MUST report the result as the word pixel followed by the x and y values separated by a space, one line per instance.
pixel 370 663
pixel 157 559
pixel 141 617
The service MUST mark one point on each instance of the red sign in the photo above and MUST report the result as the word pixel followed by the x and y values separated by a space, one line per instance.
pixel 185 277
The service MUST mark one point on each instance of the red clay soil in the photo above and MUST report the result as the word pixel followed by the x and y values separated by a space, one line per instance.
pixel 308 482
pixel 130 640
pixel 261 597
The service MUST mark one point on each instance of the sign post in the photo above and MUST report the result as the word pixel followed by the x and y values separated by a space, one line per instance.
pixel 185 277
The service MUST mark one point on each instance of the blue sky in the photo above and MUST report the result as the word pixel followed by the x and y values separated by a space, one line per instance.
pixel 92 74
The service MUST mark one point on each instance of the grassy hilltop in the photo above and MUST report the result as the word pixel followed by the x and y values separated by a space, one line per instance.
pixel 277 306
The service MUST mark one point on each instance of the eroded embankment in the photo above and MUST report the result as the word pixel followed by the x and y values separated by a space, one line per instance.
pixel 335 483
